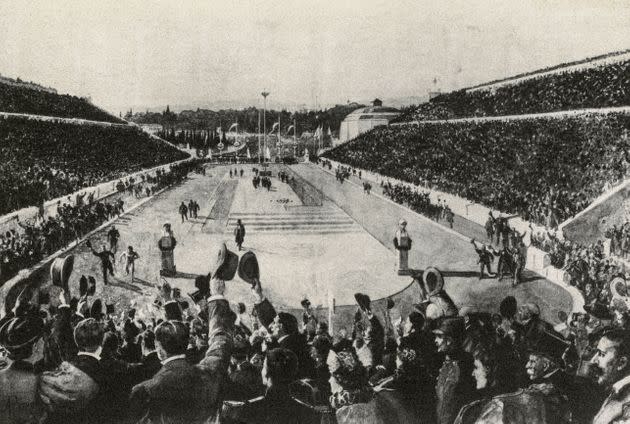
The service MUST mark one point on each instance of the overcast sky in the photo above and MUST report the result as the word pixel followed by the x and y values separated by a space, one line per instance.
pixel 150 53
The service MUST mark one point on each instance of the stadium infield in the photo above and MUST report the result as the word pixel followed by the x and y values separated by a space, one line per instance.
pixel 324 252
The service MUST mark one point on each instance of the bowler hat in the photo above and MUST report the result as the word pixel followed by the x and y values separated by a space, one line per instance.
pixel 173 311
pixel 508 307
pixel 20 332
pixel 452 327
pixel 96 310
pixel 223 263
pixel 389 303
pixel 248 268
pixel 363 300
pixel 83 285
pixel 91 286
pixel 552 346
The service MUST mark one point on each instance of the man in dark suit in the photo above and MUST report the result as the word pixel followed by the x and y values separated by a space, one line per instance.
pixel 179 391
pixel 277 405
pixel 284 329
pixel 174 393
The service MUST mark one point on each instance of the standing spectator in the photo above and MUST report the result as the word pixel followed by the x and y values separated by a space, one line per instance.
pixel 191 208
pixel 239 234
pixel 402 243
pixel 112 236
pixel 183 211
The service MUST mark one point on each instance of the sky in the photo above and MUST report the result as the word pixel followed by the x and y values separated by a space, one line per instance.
pixel 151 53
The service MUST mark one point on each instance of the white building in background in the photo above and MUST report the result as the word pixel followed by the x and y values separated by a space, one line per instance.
pixel 366 118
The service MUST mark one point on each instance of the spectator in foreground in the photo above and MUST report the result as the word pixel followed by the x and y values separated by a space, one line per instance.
pixel 277 405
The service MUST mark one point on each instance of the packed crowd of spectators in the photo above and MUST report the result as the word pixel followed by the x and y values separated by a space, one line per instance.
pixel 78 361
pixel 545 170
pixel 588 267
pixel 23 247
pixel 596 87
pixel 418 201
pixel 44 160
pixel 17 99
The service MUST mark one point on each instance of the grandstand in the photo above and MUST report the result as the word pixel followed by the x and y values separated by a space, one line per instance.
pixel 603 82
pixel 44 160
pixel 31 99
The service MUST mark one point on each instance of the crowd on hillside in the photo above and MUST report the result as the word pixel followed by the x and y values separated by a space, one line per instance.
pixel 76 360
pixel 545 170
pixel 23 247
pixel 597 87
pixel 16 99
pixel 45 160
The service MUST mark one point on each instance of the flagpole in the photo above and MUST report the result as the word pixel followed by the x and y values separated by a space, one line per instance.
pixel 258 136
pixel 294 135
pixel 265 94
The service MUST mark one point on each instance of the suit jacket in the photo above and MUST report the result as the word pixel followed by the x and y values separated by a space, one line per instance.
pixel 277 406
pixel 245 383
pixel 454 388
pixel 174 394
pixel 294 342
pixel 181 392
pixel 537 404
pixel 616 407
pixel 19 400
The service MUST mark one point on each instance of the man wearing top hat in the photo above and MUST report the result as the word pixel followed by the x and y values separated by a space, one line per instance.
pixel 402 243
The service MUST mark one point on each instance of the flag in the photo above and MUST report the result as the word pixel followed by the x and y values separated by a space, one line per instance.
pixel 248 155
pixel 232 126
pixel 267 154
pixel 289 129
pixel 273 128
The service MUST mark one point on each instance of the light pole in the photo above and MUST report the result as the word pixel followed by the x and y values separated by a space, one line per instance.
pixel 265 94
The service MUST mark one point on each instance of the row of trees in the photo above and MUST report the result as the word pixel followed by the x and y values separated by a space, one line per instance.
pixel 248 119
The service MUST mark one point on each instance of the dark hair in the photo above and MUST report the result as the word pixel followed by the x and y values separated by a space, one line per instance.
pixel 417 320
pixel 88 334
pixel 621 338
pixel 110 345
pixel 173 336
pixel 148 337
pixel 282 365
pixel 289 322
pixel 241 308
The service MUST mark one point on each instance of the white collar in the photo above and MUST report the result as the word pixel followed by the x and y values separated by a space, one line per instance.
pixel 621 384
pixel 172 358
pixel 216 297
pixel 92 354
pixel 282 338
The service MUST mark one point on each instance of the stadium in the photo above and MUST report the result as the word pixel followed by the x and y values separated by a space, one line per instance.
pixel 459 259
